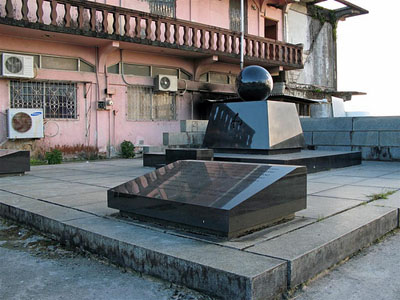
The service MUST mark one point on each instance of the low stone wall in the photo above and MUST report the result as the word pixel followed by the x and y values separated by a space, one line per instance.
pixel 378 138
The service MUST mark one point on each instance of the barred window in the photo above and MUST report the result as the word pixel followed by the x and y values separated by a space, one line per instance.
pixel 163 7
pixel 144 105
pixel 58 99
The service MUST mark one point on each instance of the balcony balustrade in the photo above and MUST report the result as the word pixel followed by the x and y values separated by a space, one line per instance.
pixel 116 23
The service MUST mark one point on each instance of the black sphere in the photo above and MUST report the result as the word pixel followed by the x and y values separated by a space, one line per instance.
pixel 254 83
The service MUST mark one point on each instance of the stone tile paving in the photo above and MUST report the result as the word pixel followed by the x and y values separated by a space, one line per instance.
pixel 75 194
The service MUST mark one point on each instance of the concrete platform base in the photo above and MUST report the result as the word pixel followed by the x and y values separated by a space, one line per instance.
pixel 315 161
pixel 69 203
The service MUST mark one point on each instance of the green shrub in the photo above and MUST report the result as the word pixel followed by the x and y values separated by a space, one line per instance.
pixel 127 149
pixel 54 157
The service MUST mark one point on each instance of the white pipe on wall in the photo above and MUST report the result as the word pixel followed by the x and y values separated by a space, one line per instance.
pixel 241 34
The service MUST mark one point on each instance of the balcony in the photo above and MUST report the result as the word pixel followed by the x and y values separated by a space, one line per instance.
pixel 148 31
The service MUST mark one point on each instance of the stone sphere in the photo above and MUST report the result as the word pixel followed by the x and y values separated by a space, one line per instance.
pixel 254 83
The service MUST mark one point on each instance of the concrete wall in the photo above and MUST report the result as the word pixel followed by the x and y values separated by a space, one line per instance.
pixel 319 54
pixel 378 138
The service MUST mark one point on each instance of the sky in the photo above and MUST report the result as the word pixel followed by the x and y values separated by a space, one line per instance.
pixel 369 57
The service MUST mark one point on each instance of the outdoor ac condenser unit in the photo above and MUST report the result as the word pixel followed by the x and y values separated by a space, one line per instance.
pixel 25 123
pixel 18 66
pixel 165 83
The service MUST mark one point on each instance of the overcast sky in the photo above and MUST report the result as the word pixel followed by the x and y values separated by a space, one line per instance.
pixel 369 57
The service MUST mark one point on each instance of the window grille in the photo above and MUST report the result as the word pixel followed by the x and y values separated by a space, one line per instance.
pixel 58 99
pixel 162 7
pixel 144 105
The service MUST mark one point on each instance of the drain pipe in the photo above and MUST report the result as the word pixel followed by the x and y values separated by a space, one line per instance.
pixel 241 34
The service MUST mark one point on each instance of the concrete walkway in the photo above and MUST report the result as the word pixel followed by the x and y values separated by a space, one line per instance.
pixel 69 202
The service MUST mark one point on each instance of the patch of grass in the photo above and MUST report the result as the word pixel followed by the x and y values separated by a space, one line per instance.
pixel 380 196
pixel 38 162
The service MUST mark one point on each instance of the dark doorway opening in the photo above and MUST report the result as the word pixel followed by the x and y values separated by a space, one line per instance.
pixel 271 29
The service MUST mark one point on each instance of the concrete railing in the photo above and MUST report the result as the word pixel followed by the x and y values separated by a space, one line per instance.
pixel 378 138
pixel 113 22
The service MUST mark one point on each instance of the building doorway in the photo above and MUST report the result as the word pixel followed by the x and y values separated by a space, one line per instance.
pixel 271 29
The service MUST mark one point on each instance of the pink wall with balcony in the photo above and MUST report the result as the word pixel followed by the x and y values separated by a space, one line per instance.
pixel 106 128
pixel 213 12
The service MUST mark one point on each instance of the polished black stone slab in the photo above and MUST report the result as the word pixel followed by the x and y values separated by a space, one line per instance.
pixel 254 127
pixel 313 160
pixel 173 155
pixel 154 159
pixel 222 198
pixel 14 162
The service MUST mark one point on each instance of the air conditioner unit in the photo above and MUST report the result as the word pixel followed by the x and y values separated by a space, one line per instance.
pixel 15 65
pixel 165 83
pixel 25 123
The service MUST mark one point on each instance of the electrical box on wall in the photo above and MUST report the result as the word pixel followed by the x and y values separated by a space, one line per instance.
pixel 25 123
pixel 105 104
pixel 17 66
pixel 165 83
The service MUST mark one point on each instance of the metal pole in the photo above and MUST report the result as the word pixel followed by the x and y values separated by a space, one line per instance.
pixel 241 34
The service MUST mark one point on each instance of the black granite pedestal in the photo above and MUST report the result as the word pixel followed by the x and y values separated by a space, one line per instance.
pixel 222 198
pixel 254 127
pixel 172 155
pixel 14 162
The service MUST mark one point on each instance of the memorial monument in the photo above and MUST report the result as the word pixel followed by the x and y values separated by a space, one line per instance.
pixel 255 125
pixel 227 199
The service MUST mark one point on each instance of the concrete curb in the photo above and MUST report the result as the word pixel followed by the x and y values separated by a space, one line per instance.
pixel 249 284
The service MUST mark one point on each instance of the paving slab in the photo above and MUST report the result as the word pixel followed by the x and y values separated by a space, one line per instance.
pixel 80 199
pixel 98 208
pixel 380 182
pixel 354 192
pixel 363 173
pixel 395 175
pixel 315 187
pixel 322 207
pixel 41 208
pixel 337 179
pixel 316 247
pixel 57 189
pixel 266 234
pixel 391 201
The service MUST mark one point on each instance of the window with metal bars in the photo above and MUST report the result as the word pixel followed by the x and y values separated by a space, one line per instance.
pixel 162 7
pixel 58 99
pixel 144 105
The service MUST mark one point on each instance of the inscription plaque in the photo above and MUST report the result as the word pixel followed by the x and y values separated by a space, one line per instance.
pixel 223 198
pixel 14 162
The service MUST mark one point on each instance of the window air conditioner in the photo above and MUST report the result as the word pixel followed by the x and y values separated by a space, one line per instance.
pixel 25 123
pixel 15 65
pixel 165 83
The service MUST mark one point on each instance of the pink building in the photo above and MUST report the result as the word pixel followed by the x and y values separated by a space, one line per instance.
pixel 95 67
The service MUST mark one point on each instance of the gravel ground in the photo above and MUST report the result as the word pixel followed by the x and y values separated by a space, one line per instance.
pixel 35 267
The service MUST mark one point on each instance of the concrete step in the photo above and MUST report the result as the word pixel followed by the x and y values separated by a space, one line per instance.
pixel 194 125
pixel 315 248
pixel 183 138
pixel 156 149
